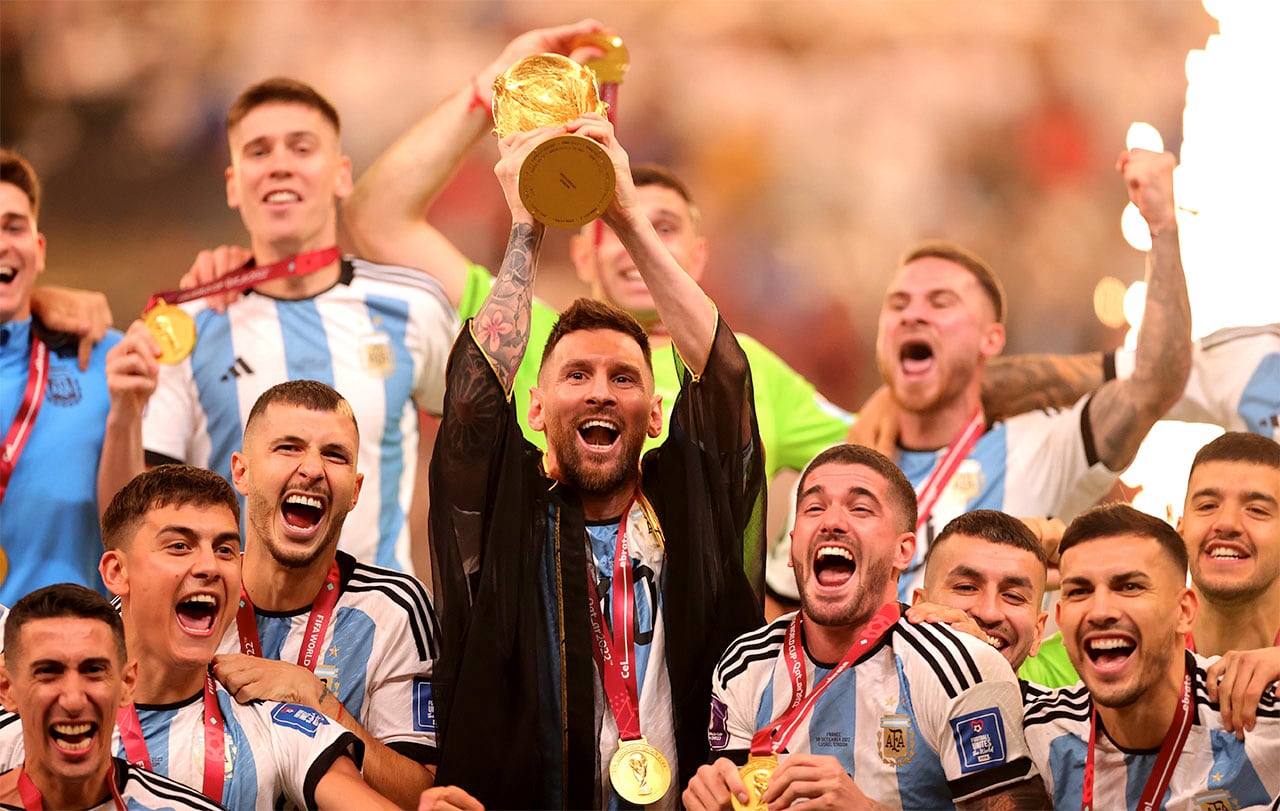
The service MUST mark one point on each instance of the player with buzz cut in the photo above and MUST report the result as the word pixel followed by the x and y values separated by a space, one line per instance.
pixel 315 626
pixel 377 333
pixel 845 704
pixel 67 672
pixel 1140 730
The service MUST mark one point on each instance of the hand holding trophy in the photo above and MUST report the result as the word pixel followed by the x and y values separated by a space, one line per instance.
pixel 568 180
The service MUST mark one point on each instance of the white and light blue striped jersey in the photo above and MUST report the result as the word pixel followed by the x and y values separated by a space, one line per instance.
pixel 274 752
pixel 142 790
pixel 927 718
pixel 1215 770
pixel 377 653
pixel 1033 464
pixel 49 529
pixel 1234 383
pixel 380 336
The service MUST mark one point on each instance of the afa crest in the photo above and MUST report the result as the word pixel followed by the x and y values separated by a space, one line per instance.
pixel 897 740
pixel 377 358
pixel 1217 799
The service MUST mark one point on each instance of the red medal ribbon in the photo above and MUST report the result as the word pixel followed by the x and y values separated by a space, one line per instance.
pixel 941 474
pixel 317 621
pixel 773 738
pixel 249 275
pixel 135 745
pixel 1170 750
pixel 33 800
pixel 15 439
pixel 617 674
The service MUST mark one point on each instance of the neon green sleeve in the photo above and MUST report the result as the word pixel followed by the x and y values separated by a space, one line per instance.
pixel 1050 667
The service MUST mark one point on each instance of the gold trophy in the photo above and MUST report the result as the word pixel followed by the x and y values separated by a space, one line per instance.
pixel 566 181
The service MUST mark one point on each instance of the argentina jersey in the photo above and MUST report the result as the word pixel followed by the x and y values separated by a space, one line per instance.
pixel 1215 770
pixel 1034 464
pixel 142 790
pixel 927 718
pixel 272 751
pixel 376 655
pixel 380 336
pixel 1234 383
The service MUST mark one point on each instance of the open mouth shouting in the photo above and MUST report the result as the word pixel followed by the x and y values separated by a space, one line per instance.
pixel 198 613
pixel 8 273
pixel 1109 652
pixel 833 565
pixel 916 357
pixel 599 434
pixel 73 738
pixel 301 514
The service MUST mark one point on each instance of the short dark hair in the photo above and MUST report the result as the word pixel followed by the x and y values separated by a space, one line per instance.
pixel 15 169
pixel 654 174
pixel 309 394
pixel 992 526
pixel 179 485
pixel 967 259
pixel 1113 520
pixel 61 600
pixel 1237 446
pixel 901 493
pixel 281 90
pixel 591 314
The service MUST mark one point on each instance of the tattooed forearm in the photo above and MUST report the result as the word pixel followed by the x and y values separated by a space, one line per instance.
pixel 1123 411
pixel 501 328
pixel 1022 383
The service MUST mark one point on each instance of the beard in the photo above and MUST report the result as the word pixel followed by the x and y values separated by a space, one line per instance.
pixel 862 602
pixel 587 476
pixel 289 555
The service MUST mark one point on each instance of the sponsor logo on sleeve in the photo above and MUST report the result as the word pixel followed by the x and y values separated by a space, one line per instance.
pixel 302 719
pixel 718 730
pixel 424 707
pixel 980 740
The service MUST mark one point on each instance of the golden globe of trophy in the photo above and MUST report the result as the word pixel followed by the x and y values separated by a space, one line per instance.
pixel 566 181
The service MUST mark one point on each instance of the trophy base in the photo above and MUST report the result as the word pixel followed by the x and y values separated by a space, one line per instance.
pixel 567 181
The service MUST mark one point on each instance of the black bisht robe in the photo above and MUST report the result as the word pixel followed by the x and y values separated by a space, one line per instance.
pixel 489 514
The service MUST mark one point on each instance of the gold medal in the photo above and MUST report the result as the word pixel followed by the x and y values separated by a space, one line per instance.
pixel 174 331
pixel 755 774
pixel 639 773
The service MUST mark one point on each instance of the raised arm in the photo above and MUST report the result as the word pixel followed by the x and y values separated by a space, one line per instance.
pixel 132 373
pixel 1123 411
pixel 688 314
pixel 386 214
pixel 1019 383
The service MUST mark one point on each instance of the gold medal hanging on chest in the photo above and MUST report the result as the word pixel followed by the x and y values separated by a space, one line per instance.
pixel 755 774
pixel 639 772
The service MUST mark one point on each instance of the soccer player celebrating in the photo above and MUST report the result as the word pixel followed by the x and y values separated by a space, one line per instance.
pixel 67 674
pixel 935 719
pixel 1140 730
pixel 319 628
pixel 173 557
pixel 585 597
pixel 1231 525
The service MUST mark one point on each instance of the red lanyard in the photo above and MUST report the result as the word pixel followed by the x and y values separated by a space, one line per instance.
pixel 618 674
pixel 941 474
pixel 20 431
pixel 33 800
pixel 1158 781
pixel 299 265
pixel 135 745
pixel 773 738
pixel 317 622
pixel 1191 642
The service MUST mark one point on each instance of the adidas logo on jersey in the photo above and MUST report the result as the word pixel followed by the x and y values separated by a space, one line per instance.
pixel 236 370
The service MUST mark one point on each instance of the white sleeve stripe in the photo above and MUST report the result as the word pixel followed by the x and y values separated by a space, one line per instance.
pixel 936 644
pixel 405 585
pixel 1223 336
pixel 736 661
pixel 726 676
pixel 943 674
pixel 167 789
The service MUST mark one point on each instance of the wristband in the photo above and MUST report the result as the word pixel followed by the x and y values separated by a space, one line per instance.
pixel 477 101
